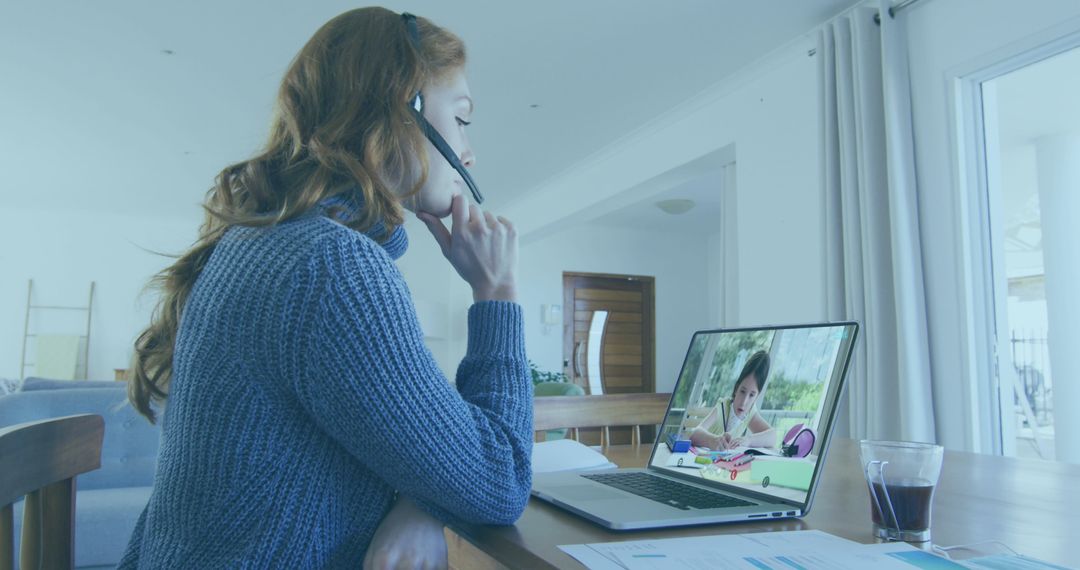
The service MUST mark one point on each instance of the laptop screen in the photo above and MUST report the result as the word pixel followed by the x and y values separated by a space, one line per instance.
pixel 752 407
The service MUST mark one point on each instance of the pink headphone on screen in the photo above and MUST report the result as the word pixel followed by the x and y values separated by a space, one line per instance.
pixel 799 441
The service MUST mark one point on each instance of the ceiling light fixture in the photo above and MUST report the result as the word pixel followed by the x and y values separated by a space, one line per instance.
pixel 675 206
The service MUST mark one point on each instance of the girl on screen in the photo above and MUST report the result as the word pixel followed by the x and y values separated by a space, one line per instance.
pixel 734 421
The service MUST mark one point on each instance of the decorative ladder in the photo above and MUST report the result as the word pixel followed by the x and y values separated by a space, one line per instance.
pixel 30 307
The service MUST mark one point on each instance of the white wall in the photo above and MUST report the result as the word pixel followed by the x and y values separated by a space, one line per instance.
pixel 679 265
pixel 948 39
pixel 714 302
pixel 769 112
pixel 63 251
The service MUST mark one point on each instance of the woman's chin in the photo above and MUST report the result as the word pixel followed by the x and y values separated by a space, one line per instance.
pixel 439 211
pixel 435 214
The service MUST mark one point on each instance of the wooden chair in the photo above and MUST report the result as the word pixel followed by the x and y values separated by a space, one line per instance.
pixel 616 410
pixel 40 461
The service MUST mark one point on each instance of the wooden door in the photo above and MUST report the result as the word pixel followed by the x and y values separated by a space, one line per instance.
pixel 627 354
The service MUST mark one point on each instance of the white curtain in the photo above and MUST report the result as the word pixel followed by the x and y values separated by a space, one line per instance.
pixel 874 256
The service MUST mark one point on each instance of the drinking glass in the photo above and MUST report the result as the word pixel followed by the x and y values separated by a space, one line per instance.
pixel 901 477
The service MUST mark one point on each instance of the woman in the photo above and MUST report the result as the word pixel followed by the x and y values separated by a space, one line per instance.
pixel 305 423
pixel 735 421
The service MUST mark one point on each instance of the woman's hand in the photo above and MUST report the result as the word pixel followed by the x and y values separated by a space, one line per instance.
pixel 407 538
pixel 482 248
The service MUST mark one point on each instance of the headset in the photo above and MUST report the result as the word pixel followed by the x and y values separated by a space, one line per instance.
pixel 429 131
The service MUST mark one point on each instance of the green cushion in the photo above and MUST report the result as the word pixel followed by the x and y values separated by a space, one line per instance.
pixel 557 389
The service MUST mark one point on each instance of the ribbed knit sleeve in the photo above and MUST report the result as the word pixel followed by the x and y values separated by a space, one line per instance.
pixel 368 380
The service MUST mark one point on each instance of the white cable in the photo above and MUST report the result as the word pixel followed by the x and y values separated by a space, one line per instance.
pixel 944 550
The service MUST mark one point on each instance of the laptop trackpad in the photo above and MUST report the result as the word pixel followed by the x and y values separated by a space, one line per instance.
pixel 588 493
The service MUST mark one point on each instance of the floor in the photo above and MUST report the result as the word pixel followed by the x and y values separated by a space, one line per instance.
pixel 1027 448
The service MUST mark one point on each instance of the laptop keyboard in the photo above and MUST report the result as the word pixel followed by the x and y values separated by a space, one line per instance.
pixel 671 493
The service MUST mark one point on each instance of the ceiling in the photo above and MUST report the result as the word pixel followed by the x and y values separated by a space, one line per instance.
pixel 132 107
pixel 700 181
pixel 703 218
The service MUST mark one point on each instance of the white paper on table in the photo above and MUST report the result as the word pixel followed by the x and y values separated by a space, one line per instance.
pixel 592 559
pixel 567 455
pixel 808 549
pixel 808 553
pixel 736 552
pixel 717 552
pixel 976 561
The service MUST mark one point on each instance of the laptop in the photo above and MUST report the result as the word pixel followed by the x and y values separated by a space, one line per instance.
pixel 777 428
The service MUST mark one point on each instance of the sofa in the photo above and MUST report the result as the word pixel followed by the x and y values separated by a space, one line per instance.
pixel 109 500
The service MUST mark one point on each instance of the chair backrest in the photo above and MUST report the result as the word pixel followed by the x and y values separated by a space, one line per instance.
pixel 615 410
pixel 40 461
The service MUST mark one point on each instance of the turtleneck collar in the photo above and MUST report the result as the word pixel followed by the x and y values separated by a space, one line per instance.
pixel 343 210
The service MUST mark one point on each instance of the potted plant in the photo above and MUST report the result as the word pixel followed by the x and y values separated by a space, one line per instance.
pixel 539 376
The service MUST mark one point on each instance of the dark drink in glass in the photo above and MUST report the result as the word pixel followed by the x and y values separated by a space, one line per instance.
pixel 910 500
pixel 901 477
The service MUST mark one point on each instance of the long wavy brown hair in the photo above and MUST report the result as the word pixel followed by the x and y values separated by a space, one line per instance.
pixel 342 127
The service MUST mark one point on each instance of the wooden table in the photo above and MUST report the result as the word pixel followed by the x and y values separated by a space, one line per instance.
pixel 1032 506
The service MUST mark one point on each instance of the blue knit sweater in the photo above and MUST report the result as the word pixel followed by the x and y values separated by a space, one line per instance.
pixel 303 397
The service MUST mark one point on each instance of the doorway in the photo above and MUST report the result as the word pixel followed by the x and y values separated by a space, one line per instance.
pixel 1031 137
pixel 609 337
